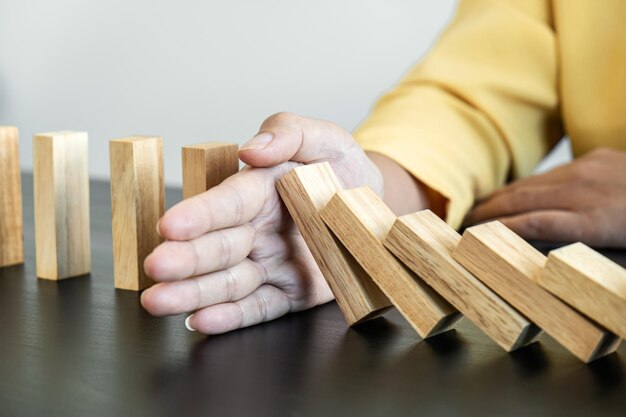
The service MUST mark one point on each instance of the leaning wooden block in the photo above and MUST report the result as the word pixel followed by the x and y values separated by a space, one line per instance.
pixel 205 165
pixel 138 202
pixel 589 282
pixel 509 265
pixel 61 183
pixel 425 244
pixel 305 191
pixel 11 235
pixel 361 221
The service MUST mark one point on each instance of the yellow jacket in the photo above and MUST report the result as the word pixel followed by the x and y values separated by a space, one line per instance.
pixel 504 82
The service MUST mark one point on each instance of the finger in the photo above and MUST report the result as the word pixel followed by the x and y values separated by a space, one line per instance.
pixel 223 286
pixel 235 201
pixel 549 225
pixel 214 251
pixel 288 137
pixel 520 200
pixel 589 166
pixel 264 304
pixel 556 176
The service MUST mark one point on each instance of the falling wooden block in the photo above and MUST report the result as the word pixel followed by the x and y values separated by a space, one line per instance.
pixel 205 165
pixel 509 265
pixel 11 234
pixel 425 244
pixel 305 190
pixel 61 183
pixel 589 282
pixel 138 202
pixel 361 220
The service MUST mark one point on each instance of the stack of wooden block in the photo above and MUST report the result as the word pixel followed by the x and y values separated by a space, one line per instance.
pixel 433 275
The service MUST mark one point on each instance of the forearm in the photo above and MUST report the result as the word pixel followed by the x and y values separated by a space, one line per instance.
pixel 403 193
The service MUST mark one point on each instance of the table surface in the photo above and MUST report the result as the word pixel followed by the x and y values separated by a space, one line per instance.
pixel 81 348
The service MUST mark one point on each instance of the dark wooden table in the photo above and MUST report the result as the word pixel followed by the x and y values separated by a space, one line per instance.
pixel 81 348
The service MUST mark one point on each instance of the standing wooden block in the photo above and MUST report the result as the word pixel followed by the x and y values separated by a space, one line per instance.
pixel 361 220
pixel 138 202
pixel 61 183
pixel 305 191
pixel 425 244
pixel 11 236
pixel 205 165
pixel 589 282
pixel 509 265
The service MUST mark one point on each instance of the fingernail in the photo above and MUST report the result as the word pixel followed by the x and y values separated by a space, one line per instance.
pixel 158 228
pixel 187 325
pixel 258 142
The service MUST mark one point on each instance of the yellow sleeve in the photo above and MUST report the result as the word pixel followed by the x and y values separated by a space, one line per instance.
pixel 480 108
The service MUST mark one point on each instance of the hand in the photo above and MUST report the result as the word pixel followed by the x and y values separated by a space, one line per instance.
pixel 582 201
pixel 233 254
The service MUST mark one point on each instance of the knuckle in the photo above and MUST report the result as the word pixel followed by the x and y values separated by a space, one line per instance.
pixel 579 172
pixel 534 225
pixel 239 202
pixel 519 198
pixel 261 305
pixel 200 294
pixel 250 235
pixel 196 257
pixel 263 272
pixel 280 118
pixel 593 228
pixel 230 283
pixel 241 317
pixel 225 253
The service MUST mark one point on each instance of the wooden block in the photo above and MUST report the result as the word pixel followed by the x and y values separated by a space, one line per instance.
pixel 509 265
pixel 305 191
pixel 138 202
pixel 361 220
pixel 589 282
pixel 425 244
pixel 11 233
pixel 61 183
pixel 205 165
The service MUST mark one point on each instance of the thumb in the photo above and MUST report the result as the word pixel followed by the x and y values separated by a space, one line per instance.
pixel 288 137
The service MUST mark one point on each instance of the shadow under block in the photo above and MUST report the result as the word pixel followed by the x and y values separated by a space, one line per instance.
pixel 509 265
pixel 425 244
pixel 305 190
pixel 138 202
pixel 11 228
pixel 589 282
pixel 361 220
pixel 61 184
pixel 206 165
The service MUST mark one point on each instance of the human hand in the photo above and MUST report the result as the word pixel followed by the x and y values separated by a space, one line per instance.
pixel 233 254
pixel 584 201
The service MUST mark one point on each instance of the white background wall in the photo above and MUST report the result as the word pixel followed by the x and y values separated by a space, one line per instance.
pixel 193 70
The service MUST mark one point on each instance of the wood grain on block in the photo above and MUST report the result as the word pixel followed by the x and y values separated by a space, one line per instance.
pixel 589 282
pixel 11 233
pixel 61 184
pixel 361 220
pixel 509 265
pixel 305 190
pixel 425 244
pixel 138 202
pixel 205 165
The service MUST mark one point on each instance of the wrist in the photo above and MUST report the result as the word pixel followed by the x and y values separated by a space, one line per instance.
pixel 402 192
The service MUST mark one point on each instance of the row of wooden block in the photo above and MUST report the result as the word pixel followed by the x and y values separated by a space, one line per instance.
pixel 432 275
pixel 61 197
